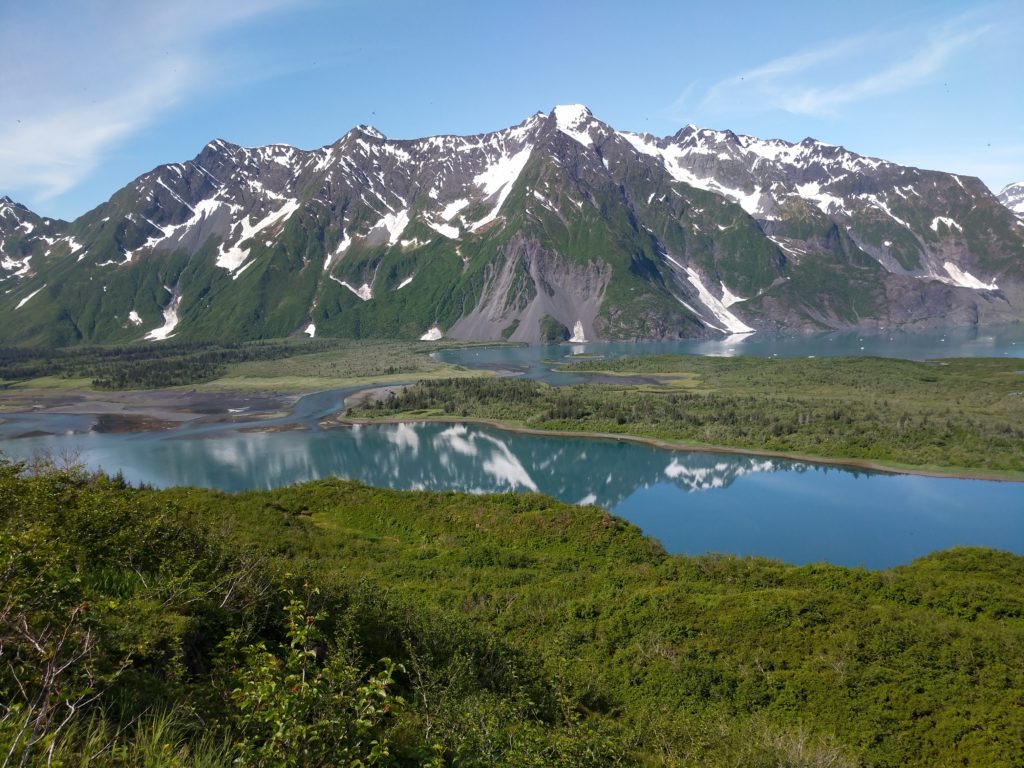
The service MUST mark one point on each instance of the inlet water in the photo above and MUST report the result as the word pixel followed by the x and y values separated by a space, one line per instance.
pixel 693 502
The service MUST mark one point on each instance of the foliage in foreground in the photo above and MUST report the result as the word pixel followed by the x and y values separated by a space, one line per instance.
pixel 957 414
pixel 143 627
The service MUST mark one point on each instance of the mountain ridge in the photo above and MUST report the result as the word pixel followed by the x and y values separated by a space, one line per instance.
pixel 1012 196
pixel 557 227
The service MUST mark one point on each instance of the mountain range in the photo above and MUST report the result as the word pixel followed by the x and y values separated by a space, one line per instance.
pixel 558 228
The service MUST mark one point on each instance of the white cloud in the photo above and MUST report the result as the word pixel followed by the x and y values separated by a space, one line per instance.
pixel 926 61
pixel 818 82
pixel 767 74
pixel 81 77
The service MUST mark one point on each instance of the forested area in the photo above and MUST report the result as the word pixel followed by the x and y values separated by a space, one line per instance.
pixel 146 366
pixel 957 414
pixel 335 624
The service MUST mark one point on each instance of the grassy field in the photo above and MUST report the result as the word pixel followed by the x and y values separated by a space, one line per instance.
pixel 351 364
pixel 959 416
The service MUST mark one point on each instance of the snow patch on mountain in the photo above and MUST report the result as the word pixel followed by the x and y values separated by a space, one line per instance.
pixel 343 246
pixel 728 297
pixel 167 232
pixel 364 291
pixel 499 178
pixel 732 323
pixel 170 313
pixel 578 336
pixel 671 157
pixel 773 150
pixel 404 283
pixel 447 230
pixel 1012 196
pixel 26 300
pixel 572 120
pixel 433 334
pixel 883 206
pixel 965 279
pixel 950 223
pixel 748 201
pixel 173 194
pixel 232 258
pixel 825 202
pixel 310 330
pixel 453 208
pixel 17 267
pixel 395 224
pixel 134 318
pixel 369 130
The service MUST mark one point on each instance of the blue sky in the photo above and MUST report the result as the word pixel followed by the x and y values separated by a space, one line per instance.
pixel 98 92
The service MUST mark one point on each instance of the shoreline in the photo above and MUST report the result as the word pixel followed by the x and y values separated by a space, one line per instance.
pixel 1007 476
pixel 180 406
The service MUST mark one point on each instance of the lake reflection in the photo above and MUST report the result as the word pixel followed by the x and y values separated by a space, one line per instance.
pixel 694 502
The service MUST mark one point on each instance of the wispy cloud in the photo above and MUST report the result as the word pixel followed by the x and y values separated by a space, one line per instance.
pixel 79 78
pixel 820 82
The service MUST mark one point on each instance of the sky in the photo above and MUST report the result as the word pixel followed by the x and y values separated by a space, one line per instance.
pixel 98 92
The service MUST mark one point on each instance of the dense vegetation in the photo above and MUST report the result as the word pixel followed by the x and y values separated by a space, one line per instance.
pixel 963 413
pixel 167 364
pixel 334 624
pixel 141 366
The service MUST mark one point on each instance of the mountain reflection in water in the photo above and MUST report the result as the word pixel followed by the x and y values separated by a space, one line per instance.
pixel 692 501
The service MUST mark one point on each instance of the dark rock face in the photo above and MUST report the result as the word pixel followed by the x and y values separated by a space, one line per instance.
pixel 560 219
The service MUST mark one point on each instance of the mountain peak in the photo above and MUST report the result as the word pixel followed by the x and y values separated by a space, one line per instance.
pixel 574 121
pixel 369 130
pixel 571 114
pixel 219 145
pixel 218 148
pixel 7 204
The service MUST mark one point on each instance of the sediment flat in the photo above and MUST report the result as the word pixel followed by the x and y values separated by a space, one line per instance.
pixel 167 405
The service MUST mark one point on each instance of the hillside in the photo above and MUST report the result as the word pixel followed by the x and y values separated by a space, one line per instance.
pixel 192 627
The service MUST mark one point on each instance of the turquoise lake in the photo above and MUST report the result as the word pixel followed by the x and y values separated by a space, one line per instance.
pixel 693 502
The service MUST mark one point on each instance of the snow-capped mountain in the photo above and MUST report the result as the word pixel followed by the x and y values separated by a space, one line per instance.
pixel 1012 196
pixel 559 227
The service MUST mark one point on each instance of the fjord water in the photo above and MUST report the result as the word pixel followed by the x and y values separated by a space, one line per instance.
pixel 537 362
pixel 693 502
